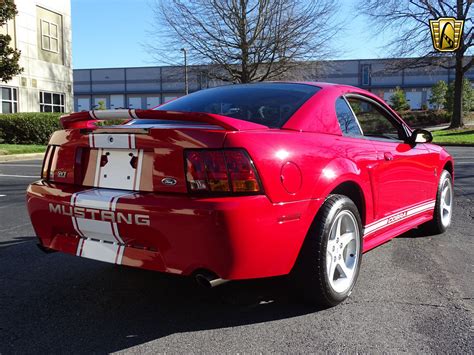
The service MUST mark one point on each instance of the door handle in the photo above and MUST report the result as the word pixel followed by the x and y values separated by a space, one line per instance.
pixel 388 156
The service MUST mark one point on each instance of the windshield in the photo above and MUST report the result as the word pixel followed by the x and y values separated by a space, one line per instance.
pixel 269 104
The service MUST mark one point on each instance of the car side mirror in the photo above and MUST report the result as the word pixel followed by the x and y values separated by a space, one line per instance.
pixel 421 136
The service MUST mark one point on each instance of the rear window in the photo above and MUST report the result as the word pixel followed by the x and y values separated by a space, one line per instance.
pixel 269 104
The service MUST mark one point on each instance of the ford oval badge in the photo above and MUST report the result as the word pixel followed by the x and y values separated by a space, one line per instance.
pixel 169 181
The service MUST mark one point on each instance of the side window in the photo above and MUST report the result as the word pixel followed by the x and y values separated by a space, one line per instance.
pixel 374 121
pixel 347 121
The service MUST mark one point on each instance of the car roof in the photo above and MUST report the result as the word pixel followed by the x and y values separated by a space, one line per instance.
pixel 320 84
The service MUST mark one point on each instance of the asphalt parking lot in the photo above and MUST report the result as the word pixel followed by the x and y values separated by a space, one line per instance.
pixel 414 294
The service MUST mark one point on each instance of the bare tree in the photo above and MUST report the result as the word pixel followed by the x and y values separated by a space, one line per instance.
pixel 244 40
pixel 407 22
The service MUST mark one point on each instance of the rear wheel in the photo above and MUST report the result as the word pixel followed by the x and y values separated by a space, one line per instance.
pixel 443 211
pixel 329 263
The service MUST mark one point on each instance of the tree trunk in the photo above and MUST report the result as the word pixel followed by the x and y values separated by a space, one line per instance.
pixel 457 119
pixel 244 47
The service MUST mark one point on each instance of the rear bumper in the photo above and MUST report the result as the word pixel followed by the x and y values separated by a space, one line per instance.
pixel 233 237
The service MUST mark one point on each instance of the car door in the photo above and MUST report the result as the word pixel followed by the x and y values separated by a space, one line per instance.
pixel 403 176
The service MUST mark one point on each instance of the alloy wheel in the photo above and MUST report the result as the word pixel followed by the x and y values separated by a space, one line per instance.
pixel 446 202
pixel 342 254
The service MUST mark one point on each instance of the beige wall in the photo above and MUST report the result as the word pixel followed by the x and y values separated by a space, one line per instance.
pixel 44 70
pixel 9 29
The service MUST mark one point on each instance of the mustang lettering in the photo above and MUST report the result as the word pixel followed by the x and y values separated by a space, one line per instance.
pixel 100 215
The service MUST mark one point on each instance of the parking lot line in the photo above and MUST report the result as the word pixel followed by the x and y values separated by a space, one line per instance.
pixel 20 176
pixel 21 165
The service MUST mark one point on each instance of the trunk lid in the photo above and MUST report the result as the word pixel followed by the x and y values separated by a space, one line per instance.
pixel 145 154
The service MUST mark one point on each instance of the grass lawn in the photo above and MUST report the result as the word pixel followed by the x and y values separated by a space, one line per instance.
pixel 455 136
pixel 8 149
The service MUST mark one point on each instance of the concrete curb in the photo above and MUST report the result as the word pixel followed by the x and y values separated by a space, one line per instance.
pixel 19 157
pixel 454 145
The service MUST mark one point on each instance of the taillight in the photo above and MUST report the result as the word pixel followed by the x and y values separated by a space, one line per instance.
pixel 224 171
pixel 242 173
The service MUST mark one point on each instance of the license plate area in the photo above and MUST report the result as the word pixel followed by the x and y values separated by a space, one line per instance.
pixel 118 168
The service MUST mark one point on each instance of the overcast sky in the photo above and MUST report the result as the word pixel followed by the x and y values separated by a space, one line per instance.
pixel 111 33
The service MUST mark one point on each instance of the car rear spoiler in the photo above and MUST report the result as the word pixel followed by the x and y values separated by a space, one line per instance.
pixel 86 119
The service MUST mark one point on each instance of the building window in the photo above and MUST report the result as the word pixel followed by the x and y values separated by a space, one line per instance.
pixel 9 100
pixel 50 102
pixel 49 36
pixel 365 74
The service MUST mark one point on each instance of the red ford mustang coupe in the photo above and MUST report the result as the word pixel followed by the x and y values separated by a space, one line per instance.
pixel 241 182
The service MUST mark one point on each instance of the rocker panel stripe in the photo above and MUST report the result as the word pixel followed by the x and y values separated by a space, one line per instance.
pixel 399 216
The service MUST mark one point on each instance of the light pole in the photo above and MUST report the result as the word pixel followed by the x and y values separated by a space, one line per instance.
pixel 186 90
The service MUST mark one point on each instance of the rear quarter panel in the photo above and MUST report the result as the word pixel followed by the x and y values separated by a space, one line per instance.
pixel 324 160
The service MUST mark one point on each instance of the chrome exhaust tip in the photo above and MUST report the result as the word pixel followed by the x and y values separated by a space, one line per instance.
pixel 218 282
pixel 208 280
pixel 45 250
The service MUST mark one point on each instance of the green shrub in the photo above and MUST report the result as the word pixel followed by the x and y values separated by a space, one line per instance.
pixel 467 96
pixel 438 94
pixel 398 100
pixel 101 106
pixel 28 128
pixel 425 118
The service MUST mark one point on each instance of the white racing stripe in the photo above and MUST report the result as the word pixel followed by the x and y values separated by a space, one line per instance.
pixel 97 167
pixel 133 114
pixel 97 250
pixel 397 217
pixel 92 115
pixel 112 114
pixel 91 140
pixel 100 240
pixel 138 175
pixel 117 173
pixel 112 141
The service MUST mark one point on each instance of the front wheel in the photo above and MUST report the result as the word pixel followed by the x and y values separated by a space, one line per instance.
pixel 329 262
pixel 443 211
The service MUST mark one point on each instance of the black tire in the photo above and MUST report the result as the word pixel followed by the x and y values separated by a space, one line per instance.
pixel 438 225
pixel 310 273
